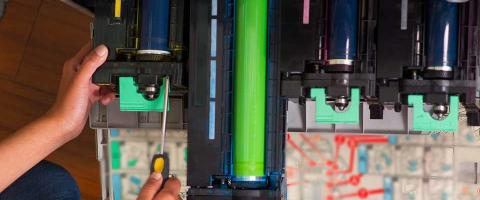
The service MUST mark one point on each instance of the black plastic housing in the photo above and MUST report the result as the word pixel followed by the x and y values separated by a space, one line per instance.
pixel 209 161
pixel 121 36
pixel 391 56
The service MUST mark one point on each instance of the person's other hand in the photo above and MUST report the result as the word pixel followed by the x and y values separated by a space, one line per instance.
pixel 77 93
pixel 151 189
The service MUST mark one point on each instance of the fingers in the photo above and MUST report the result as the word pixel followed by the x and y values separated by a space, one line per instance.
pixel 71 66
pixel 76 60
pixel 105 90
pixel 170 191
pixel 83 52
pixel 106 99
pixel 151 187
pixel 106 95
pixel 92 61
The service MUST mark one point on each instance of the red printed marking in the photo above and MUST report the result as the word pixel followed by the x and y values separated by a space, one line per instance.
pixel 372 140
pixel 376 191
pixel 355 180
pixel 292 168
pixel 362 193
pixel 311 162
pixel 352 180
pixel 329 163
pixel 351 141
pixel 291 171
pixel 358 135
pixel 351 158
pixel 312 145
pixel 315 138
pixel 339 140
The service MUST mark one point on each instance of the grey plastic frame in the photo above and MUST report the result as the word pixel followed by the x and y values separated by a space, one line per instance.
pixel 104 117
pixel 301 118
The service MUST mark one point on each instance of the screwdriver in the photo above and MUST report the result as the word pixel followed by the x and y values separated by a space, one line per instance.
pixel 160 161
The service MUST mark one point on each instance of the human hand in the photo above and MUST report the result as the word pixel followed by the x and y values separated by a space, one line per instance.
pixel 77 93
pixel 151 189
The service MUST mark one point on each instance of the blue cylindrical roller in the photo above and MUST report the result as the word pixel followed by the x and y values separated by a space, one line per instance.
pixel 342 34
pixel 154 27
pixel 442 35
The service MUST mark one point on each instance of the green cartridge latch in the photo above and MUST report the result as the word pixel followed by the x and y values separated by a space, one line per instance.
pixel 325 114
pixel 131 100
pixel 423 121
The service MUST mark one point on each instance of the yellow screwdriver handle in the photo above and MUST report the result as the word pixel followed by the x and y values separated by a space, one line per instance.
pixel 160 163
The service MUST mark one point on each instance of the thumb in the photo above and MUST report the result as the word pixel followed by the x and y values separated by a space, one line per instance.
pixel 92 61
pixel 151 187
pixel 170 191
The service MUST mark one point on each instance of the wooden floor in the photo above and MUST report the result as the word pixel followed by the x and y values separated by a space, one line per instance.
pixel 36 37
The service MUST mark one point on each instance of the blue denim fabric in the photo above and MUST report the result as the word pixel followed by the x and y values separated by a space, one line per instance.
pixel 45 181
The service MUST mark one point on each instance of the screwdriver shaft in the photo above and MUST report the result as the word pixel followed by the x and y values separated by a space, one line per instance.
pixel 164 116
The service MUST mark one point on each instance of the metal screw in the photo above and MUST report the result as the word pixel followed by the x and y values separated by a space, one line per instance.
pixel 440 111
pixel 341 103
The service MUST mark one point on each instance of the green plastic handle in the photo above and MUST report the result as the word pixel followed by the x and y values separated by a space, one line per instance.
pixel 423 121
pixel 325 114
pixel 131 100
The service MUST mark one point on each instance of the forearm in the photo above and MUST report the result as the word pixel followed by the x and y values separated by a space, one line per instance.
pixel 28 146
pixel 63 122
